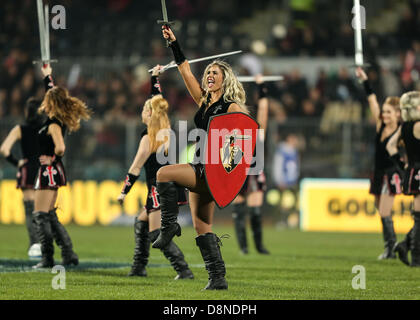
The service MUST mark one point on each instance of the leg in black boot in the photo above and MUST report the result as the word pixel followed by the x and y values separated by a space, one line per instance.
pixel 215 266
pixel 43 230
pixel 141 250
pixel 175 257
pixel 29 209
pixel 389 238
pixel 168 195
pixel 402 248
pixel 256 225
pixel 415 245
pixel 63 240
pixel 239 216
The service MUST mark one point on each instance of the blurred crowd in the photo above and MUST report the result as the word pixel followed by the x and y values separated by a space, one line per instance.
pixel 117 95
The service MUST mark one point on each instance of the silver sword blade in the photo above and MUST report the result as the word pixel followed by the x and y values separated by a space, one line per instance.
pixel 164 11
pixel 264 78
pixel 172 64
pixel 47 33
pixel 41 24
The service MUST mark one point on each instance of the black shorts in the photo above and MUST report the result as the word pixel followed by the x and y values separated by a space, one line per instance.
pixel 26 175
pixel 153 200
pixel 412 180
pixel 198 169
pixel 51 177
pixel 253 184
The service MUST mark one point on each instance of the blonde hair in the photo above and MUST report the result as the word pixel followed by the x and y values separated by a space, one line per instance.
pixel 158 120
pixel 65 108
pixel 232 89
pixel 410 102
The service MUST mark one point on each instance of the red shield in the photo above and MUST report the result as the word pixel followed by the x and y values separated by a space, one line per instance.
pixel 231 140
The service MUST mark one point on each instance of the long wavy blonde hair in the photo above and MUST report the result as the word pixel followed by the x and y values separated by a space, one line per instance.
pixel 68 110
pixel 158 121
pixel 232 89
pixel 410 102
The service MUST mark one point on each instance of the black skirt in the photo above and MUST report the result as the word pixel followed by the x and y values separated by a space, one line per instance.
pixel 51 177
pixel 26 175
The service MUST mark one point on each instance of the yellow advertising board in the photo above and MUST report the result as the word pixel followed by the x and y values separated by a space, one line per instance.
pixel 346 205
pixel 82 202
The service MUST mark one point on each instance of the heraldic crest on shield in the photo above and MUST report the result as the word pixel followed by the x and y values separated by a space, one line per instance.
pixel 231 154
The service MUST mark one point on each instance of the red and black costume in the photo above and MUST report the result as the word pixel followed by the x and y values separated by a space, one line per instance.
pixel 208 243
pixel 411 187
pixel 386 179
pixel 50 176
pixel 142 236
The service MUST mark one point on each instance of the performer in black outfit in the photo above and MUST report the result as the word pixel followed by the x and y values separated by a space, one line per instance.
pixel 28 166
pixel 252 194
pixel 147 225
pixel 387 180
pixel 410 134
pixel 64 113
pixel 220 92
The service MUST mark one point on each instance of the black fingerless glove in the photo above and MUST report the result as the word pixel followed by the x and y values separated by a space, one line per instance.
pixel 178 54
pixel 12 160
pixel 48 82
pixel 368 88
pixel 155 86
pixel 130 179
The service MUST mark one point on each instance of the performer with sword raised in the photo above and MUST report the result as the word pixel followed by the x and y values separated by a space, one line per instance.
pixel 219 93
pixel 63 113
pixel 386 181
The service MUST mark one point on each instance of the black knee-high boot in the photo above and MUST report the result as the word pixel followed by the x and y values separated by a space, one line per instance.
pixel 141 250
pixel 239 219
pixel 43 230
pixel 402 248
pixel 256 225
pixel 215 266
pixel 389 238
pixel 175 257
pixel 63 240
pixel 168 195
pixel 415 245
pixel 29 209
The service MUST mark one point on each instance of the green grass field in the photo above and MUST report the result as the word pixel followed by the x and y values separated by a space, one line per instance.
pixel 301 266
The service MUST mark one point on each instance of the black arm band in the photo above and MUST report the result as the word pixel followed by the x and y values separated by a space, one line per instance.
pixel 48 82
pixel 262 91
pixel 178 54
pixel 12 160
pixel 130 179
pixel 155 86
pixel 396 160
pixel 368 88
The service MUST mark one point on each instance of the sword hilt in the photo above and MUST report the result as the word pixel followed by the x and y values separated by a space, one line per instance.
pixel 167 25
pixel 45 62
pixel 365 65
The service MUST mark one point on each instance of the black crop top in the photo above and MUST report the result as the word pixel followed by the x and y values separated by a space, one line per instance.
pixel 46 143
